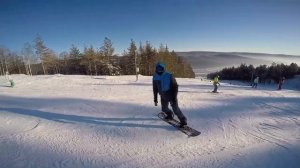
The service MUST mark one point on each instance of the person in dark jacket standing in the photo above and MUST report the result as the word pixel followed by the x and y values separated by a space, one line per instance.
pixel 166 86
pixel 280 83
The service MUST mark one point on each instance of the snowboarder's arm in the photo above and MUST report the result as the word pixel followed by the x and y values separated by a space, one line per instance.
pixel 155 91
pixel 174 87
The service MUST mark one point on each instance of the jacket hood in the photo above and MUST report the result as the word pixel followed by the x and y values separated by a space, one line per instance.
pixel 160 67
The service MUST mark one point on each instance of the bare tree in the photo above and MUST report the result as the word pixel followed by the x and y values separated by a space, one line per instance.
pixel 50 61
pixel 2 58
pixel 4 52
pixel 27 53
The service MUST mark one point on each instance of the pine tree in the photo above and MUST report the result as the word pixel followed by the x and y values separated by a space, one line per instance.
pixel 150 55
pixel 142 59
pixel 107 49
pixel 88 58
pixel 124 62
pixel 74 52
pixel 64 58
pixel 109 62
pixel 74 60
pixel 132 53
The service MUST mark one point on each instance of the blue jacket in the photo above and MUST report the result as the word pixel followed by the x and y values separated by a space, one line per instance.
pixel 164 84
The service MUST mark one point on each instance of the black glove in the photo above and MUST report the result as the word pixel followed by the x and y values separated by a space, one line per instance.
pixel 155 102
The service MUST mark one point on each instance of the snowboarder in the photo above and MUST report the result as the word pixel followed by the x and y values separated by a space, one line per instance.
pixel 280 83
pixel 215 83
pixel 166 86
pixel 255 82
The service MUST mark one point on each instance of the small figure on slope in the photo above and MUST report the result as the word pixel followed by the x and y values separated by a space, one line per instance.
pixel 10 80
pixel 280 83
pixel 166 86
pixel 216 83
pixel 255 82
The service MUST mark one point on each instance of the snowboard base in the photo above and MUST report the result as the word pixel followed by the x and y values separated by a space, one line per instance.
pixel 191 132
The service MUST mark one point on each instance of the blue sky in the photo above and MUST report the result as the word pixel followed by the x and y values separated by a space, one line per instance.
pixel 268 26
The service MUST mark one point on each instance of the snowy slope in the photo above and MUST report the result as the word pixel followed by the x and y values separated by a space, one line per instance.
pixel 79 121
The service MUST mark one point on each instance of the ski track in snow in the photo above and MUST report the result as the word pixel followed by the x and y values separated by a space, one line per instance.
pixel 82 121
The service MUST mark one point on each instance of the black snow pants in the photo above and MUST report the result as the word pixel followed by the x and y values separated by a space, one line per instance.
pixel 174 105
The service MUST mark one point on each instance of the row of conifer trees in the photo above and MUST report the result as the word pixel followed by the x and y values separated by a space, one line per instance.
pixel 36 58
pixel 248 72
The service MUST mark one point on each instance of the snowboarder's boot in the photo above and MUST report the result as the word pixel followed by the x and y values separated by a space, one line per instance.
pixel 182 122
pixel 168 116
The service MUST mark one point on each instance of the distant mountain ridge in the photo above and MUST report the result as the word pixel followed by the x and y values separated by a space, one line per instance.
pixel 237 53
pixel 204 62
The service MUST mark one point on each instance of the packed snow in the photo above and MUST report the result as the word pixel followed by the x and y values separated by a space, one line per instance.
pixel 110 121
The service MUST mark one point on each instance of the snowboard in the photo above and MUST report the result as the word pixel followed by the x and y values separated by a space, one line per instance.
pixel 191 132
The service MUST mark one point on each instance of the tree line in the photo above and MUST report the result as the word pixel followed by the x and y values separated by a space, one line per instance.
pixel 266 73
pixel 37 58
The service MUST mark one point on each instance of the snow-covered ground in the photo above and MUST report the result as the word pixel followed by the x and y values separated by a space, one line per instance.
pixel 79 121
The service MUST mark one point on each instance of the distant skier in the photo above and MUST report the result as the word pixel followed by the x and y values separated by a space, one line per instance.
pixel 10 80
pixel 280 83
pixel 216 83
pixel 255 82
pixel 166 86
